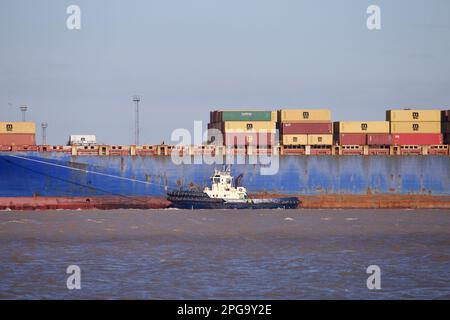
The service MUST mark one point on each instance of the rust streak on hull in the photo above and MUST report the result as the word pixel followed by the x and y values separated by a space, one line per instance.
pixel 330 201
pixel 84 203
pixel 370 201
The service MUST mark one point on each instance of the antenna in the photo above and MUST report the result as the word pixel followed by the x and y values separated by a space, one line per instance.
pixel 136 100
pixel 44 126
pixel 24 110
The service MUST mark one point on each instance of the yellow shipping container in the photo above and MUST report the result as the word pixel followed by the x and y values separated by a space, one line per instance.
pixel 17 127
pixel 320 139
pixel 361 127
pixel 244 126
pixel 416 127
pixel 295 139
pixel 275 116
pixel 301 115
pixel 413 115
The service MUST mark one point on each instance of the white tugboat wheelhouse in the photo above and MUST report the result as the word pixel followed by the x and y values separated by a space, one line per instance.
pixel 222 187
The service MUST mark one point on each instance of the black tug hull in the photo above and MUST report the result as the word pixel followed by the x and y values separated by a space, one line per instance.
pixel 200 200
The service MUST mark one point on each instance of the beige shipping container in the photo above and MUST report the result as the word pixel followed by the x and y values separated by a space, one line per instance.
pixel 301 115
pixel 275 116
pixel 17 127
pixel 413 115
pixel 243 126
pixel 416 127
pixel 295 139
pixel 361 127
pixel 320 139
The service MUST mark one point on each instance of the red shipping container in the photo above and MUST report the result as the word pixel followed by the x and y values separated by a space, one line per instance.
pixel 249 139
pixel 307 128
pixel 351 139
pixel 417 138
pixel 17 139
pixel 379 139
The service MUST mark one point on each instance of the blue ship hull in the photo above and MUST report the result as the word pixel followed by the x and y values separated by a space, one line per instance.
pixel 61 175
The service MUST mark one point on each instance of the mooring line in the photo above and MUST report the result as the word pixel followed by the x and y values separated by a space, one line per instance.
pixel 89 171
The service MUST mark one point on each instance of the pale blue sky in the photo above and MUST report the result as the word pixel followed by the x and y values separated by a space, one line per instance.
pixel 186 57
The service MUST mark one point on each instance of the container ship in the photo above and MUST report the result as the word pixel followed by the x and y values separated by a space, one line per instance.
pixel 401 162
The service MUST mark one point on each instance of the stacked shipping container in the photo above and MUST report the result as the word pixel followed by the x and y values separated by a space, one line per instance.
pixel 362 133
pixel 242 128
pixel 445 126
pixel 415 127
pixel 300 127
pixel 17 134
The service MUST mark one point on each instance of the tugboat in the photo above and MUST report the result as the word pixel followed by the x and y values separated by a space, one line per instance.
pixel 222 195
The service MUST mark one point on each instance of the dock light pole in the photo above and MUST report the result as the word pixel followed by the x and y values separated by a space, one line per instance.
pixel 136 100
pixel 44 126
pixel 24 110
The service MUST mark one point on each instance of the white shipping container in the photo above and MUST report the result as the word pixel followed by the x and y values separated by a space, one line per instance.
pixel 82 139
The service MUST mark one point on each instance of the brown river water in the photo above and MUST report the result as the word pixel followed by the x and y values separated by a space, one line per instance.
pixel 228 254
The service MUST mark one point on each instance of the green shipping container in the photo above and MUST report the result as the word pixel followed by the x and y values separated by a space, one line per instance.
pixel 245 115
